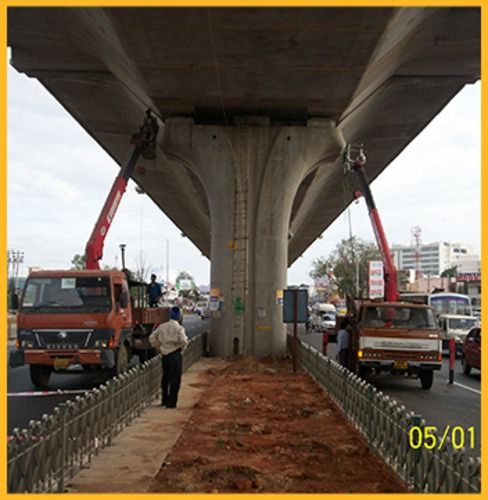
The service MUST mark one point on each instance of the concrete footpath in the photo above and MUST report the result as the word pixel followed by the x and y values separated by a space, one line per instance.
pixel 138 452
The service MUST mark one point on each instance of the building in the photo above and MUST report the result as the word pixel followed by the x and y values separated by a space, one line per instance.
pixel 434 257
pixel 469 279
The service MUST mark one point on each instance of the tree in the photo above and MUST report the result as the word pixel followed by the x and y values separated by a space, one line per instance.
pixel 142 268
pixel 78 262
pixel 346 263
pixel 451 272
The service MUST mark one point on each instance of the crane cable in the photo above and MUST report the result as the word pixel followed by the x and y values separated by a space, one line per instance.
pixel 345 185
pixel 346 206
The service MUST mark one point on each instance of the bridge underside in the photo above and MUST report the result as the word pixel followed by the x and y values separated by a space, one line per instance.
pixel 257 103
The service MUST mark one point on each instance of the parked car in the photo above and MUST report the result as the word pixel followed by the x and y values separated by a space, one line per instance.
pixel 471 356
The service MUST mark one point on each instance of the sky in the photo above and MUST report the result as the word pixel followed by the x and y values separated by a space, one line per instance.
pixel 58 179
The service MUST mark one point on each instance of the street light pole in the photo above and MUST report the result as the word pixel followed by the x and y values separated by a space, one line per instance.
pixel 122 251
pixel 167 261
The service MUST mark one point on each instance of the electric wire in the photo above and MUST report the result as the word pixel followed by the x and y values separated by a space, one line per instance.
pixel 217 73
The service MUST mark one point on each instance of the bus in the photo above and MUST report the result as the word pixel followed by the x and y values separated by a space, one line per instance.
pixel 442 302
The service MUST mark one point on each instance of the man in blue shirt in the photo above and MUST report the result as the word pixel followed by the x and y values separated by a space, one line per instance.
pixel 154 290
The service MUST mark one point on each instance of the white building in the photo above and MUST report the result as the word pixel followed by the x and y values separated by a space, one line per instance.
pixel 434 258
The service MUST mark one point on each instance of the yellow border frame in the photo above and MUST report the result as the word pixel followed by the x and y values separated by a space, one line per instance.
pixel 232 3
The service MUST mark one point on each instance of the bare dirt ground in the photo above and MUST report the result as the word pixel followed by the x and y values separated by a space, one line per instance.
pixel 261 428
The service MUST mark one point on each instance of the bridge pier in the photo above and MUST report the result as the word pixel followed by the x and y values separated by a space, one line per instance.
pixel 250 172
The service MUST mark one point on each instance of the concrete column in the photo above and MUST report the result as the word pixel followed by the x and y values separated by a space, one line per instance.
pixel 251 172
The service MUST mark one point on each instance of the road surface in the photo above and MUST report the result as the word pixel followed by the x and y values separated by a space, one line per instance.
pixel 26 403
pixel 454 405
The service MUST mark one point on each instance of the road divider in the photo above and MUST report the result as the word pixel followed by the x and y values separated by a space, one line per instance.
pixel 50 451
pixel 385 424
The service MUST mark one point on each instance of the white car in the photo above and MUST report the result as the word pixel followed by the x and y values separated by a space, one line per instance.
pixel 202 309
pixel 323 317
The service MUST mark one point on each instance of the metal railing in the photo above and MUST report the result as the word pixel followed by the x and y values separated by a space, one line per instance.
pixel 385 424
pixel 52 450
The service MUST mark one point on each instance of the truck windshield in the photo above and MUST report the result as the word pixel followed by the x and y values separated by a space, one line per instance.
pixel 451 304
pixel 399 317
pixel 464 324
pixel 67 295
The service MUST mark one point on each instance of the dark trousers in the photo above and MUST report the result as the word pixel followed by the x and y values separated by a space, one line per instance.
pixel 344 357
pixel 171 380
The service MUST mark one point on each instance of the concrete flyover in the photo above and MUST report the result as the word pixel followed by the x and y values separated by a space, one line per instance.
pixel 256 104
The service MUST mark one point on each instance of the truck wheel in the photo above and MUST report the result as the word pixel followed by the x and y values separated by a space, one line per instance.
pixel 40 375
pixel 426 379
pixel 466 367
pixel 122 361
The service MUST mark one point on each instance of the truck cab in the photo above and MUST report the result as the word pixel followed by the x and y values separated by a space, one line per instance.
pixel 85 318
pixel 400 338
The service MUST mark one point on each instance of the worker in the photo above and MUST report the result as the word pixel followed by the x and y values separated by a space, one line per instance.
pixel 154 291
pixel 343 342
pixel 170 340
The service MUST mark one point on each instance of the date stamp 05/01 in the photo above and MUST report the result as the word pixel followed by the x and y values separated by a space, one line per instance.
pixel 427 437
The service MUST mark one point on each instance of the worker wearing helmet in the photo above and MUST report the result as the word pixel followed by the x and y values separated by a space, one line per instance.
pixel 170 340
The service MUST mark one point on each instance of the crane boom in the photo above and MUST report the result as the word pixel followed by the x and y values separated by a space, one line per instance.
pixel 355 159
pixel 143 143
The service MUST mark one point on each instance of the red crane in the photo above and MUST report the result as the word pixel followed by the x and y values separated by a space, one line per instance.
pixel 143 144
pixel 354 160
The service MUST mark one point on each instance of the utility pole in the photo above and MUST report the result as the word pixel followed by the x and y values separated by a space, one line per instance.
pixel 417 237
pixel 167 262
pixel 14 259
pixel 357 275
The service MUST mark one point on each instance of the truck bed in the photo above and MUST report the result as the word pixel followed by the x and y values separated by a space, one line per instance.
pixel 150 315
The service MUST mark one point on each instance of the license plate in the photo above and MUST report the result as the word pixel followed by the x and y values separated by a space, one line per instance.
pixel 61 363
pixel 400 365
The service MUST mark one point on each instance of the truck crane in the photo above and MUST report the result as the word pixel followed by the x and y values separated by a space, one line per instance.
pixel 143 144
pixel 92 319
pixel 354 161
pixel 398 337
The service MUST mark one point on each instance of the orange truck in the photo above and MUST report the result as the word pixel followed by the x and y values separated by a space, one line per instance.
pixel 389 335
pixel 91 317
pixel 397 337
pixel 95 319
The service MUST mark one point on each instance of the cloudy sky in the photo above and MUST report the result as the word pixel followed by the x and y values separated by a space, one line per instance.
pixel 58 179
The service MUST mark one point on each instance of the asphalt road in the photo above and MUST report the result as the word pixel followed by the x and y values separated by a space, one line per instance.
pixel 23 408
pixel 443 405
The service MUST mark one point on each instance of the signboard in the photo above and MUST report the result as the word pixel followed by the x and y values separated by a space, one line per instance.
pixel 214 303
pixel 468 277
pixel 376 280
pixel 184 284
pixel 301 297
